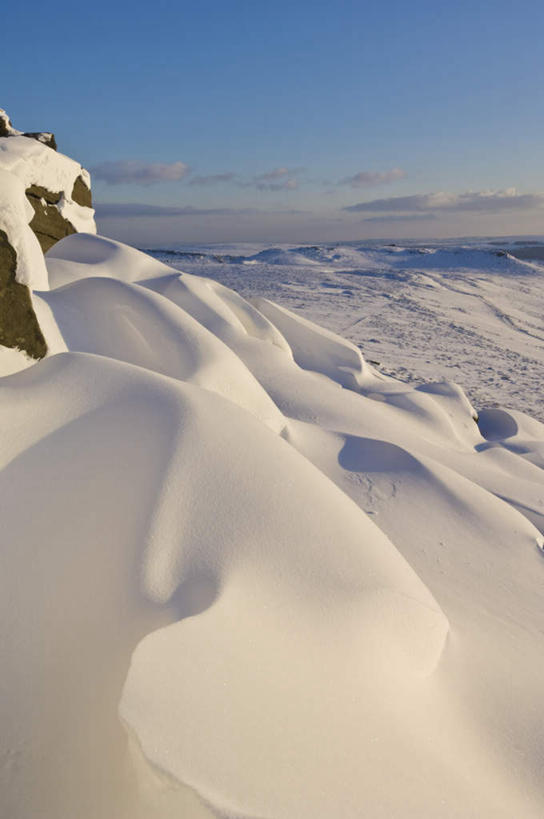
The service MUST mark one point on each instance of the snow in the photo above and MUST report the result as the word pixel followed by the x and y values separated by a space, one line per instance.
pixel 13 360
pixel 15 214
pixel 143 328
pixel 36 164
pixel 25 162
pixel 468 311
pixel 245 573
pixel 106 258
pixel 82 218
pixel 7 126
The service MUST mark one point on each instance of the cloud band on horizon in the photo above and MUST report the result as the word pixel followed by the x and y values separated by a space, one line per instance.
pixel 127 210
pixel 213 179
pixel 401 217
pixel 483 201
pixel 134 172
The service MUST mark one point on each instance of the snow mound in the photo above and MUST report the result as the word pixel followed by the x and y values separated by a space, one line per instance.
pixel 279 256
pixel 131 323
pixel 317 349
pixel 78 257
pixel 244 574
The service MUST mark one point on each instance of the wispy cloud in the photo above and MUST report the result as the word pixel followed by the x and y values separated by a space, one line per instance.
pixel 133 172
pixel 483 201
pixel 213 179
pixel 401 217
pixel 275 173
pixel 124 210
pixel 371 179
pixel 277 179
pixel 285 185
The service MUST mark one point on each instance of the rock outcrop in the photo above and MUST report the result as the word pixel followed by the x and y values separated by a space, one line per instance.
pixel 18 324
pixel 44 196
pixel 7 129
pixel 48 224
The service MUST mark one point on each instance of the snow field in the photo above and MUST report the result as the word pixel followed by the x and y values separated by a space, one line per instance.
pixel 465 310
pixel 246 574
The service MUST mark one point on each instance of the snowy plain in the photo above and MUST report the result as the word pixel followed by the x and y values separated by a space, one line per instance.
pixel 256 576
pixel 456 309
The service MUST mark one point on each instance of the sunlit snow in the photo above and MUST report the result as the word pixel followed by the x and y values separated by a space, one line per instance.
pixel 245 571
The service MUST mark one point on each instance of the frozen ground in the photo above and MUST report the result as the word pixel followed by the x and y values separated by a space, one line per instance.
pixel 245 574
pixel 461 310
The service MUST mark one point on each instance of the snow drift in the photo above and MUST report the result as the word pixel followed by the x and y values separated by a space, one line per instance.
pixel 244 574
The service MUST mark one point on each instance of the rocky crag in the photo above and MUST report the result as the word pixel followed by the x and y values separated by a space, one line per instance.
pixel 44 196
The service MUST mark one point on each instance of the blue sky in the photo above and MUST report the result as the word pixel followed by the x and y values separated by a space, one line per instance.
pixel 298 121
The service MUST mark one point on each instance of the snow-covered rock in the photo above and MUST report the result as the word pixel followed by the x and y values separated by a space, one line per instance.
pixel 7 129
pixel 44 196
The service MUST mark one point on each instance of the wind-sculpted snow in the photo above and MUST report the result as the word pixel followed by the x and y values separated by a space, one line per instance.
pixel 469 311
pixel 130 323
pixel 246 574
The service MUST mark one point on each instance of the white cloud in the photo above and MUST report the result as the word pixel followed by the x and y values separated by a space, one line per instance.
pixel 133 172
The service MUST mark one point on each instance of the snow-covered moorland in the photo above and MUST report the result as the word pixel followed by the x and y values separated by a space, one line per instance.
pixel 247 574
pixel 471 311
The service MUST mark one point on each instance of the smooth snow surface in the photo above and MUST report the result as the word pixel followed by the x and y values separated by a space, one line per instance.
pixel 13 360
pixel 247 574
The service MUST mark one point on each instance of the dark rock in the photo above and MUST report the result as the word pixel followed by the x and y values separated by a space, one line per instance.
pixel 43 136
pixel 81 194
pixel 7 130
pixel 39 192
pixel 48 224
pixel 18 323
